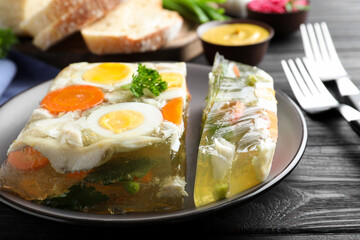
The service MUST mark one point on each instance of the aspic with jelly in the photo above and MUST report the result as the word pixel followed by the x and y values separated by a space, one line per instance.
pixel 110 138
pixel 107 138
pixel 239 132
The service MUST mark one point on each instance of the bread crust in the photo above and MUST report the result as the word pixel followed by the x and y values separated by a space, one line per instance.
pixel 48 15
pixel 100 40
pixel 87 12
pixel 13 12
pixel 101 45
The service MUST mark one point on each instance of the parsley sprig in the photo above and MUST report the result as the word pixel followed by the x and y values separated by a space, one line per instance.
pixel 147 78
pixel 7 39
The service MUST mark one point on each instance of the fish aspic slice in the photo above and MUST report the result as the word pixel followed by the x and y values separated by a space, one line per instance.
pixel 239 131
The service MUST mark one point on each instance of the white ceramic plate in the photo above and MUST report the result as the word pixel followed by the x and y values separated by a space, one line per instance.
pixel 291 144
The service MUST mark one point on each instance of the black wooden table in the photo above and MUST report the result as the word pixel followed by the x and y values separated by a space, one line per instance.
pixel 320 199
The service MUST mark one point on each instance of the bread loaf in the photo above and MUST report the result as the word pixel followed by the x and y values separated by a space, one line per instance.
pixel 52 12
pixel 73 20
pixel 134 26
pixel 13 12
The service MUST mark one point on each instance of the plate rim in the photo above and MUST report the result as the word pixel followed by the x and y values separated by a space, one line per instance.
pixel 66 216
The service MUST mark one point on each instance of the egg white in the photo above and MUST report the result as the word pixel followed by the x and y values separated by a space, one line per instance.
pixel 152 119
pixel 73 75
pixel 175 92
pixel 60 138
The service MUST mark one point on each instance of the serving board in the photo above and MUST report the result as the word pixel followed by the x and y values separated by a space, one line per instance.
pixel 184 47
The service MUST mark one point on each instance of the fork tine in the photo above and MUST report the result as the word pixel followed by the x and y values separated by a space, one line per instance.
pixel 303 81
pixel 318 83
pixel 298 78
pixel 323 46
pixel 316 80
pixel 292 81
pixel 314 42
pixel 306 42
pixel 307 78
pixel 329 42
pixel 302 85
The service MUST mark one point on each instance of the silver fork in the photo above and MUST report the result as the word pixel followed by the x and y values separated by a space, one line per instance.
pixel 321 53
pixel 311 93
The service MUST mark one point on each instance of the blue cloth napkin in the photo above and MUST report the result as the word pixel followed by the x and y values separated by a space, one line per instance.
pixel 30 72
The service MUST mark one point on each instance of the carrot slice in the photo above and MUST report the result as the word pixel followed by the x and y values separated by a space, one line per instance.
pixel 236 71
pixel 172 111
pixel 273 127
pixel 72 98
pixel 27 159
pixel 145 179
pixel 79 174
pixel 237 111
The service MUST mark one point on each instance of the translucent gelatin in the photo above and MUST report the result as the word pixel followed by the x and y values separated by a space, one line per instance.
pixel 126 153
pixel 239 132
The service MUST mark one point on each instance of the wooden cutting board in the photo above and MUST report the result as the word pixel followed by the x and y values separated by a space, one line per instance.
pixel 73 49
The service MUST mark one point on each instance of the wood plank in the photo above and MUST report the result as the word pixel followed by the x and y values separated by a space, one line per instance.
pixel 184 47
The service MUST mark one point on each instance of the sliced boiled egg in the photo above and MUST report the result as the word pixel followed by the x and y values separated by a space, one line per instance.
pixel 173 79
pixel 109 76
pixel 125 120
pixel 176 85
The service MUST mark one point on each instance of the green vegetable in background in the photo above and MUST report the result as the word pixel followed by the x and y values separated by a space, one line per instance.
pixel 197 11
pixel 7 39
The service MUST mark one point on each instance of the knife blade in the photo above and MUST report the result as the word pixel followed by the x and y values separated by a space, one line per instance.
pixel 351 115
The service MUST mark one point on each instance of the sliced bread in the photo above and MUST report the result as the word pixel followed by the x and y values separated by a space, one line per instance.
pixel 134 26
pixel 73 20
pixel 48 15
pixel 13 12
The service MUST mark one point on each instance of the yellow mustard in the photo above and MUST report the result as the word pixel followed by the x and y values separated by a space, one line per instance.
pixel 236 34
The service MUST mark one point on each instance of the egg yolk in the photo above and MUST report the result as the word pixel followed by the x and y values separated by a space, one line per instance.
pixel 121 121
pixel 174 80
pixel 108 73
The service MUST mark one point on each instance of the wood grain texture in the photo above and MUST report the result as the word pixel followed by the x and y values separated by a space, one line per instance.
pixel 320 199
